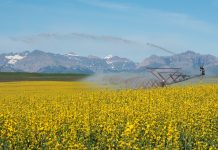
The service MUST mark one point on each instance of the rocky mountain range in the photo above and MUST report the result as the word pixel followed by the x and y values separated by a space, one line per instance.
pixel 189 61
pixel 39 61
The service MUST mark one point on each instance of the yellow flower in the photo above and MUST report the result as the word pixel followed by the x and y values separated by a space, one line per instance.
pixel 76 115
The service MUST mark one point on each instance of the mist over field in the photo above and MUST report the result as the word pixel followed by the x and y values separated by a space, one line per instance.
pixel 117 80
pixel 138 80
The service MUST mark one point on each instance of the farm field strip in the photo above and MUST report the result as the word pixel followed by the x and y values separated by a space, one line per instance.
pixel 77 115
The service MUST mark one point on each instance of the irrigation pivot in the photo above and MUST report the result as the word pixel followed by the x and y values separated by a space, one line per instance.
pixel 168 76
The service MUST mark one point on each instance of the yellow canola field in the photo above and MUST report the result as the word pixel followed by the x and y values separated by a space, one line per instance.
pixel 63 115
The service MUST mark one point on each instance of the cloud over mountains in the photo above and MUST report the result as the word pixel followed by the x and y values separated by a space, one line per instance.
pixel 84 44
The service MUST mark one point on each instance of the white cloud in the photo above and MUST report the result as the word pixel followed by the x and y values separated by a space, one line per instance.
pixel 181 21
pixel 187 33
pixel 101 45
pixel 83 44
pixel 105 4
pixel 61 36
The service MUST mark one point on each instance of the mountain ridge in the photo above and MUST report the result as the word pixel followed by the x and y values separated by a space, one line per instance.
pixel 47 62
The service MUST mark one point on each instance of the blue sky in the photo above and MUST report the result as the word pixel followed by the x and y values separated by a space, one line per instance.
pixel 101 27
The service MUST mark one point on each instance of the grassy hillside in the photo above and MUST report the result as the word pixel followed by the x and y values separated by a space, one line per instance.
pixel 21 76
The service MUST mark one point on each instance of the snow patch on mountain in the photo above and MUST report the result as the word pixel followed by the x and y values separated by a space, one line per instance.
pixel 13 59
pixel 109 62
pixel 108 57
pixel 71 54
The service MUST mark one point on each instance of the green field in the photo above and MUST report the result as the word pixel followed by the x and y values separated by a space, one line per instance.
pixel 105 79
pixel 200 80
pixel 21 76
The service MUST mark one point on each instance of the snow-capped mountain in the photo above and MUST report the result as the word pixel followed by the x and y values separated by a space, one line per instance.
pixel 117 63
pixel 108 57
pixel 12 59
pixel 39 61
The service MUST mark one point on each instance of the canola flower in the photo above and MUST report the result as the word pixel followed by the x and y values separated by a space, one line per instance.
pixel 63 115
